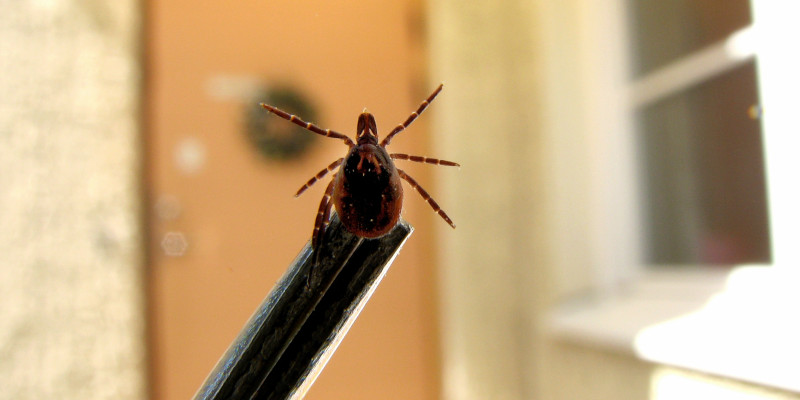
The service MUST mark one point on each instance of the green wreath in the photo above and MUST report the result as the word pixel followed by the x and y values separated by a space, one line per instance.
pixel 274 137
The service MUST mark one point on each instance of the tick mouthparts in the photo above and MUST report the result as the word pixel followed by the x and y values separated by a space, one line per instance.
pixel 364 111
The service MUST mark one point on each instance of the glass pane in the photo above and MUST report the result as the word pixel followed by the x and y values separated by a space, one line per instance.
pixel 703 173
pixel 663 31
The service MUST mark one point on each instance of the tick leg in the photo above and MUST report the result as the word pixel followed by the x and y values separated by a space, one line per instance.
pixel 436 161
pixel 411 117
pixel 319 176
pixel 426 197
pixel 322 217
pixel 307 125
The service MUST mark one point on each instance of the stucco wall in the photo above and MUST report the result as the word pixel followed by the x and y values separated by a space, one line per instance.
pixel 71 298
pixel 518 72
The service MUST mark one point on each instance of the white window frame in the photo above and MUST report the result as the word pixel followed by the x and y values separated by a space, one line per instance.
pixel 738 323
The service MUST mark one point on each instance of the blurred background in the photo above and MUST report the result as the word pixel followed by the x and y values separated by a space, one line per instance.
pixel 626 205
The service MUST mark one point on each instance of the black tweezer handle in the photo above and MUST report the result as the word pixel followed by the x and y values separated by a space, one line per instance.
pixel 293 333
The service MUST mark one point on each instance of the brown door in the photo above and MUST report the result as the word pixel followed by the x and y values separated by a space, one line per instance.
pixel 223 221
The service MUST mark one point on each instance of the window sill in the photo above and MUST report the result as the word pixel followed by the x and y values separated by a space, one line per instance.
pixel 740 323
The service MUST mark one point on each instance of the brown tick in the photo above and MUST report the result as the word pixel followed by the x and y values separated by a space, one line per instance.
pixel 366 190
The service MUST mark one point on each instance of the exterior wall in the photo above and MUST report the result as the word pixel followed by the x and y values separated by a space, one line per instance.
pixel 520 73
pixel 580 372
pixel 484 50
pixel 71 304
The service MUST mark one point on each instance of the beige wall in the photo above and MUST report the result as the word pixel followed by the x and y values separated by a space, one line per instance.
pixel 486 52
pixel 521 70
pixel 71 294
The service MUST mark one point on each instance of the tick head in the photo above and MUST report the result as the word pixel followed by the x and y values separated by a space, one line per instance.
pixel 367 131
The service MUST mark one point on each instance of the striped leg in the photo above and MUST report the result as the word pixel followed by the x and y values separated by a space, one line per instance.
pixel 319 176
pixel 308 125
pixel 436 161
pixel 411 117
pixel 426 197
pixel 322 217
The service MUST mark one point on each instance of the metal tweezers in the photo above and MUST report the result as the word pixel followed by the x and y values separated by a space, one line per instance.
pixel 293 333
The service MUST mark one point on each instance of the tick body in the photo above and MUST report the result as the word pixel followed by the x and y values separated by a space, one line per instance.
pixel 367 191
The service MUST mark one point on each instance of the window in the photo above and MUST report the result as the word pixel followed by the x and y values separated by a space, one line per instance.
pixel 698 134
pixel 715 146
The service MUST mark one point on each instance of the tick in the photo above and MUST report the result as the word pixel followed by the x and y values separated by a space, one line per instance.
pixel 366 190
